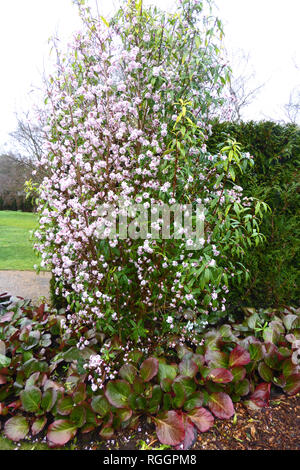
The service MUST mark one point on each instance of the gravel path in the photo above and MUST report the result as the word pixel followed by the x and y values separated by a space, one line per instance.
pixel 25 284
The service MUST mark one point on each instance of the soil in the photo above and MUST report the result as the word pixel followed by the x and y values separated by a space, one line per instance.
pixel 26 284
pixel 276 427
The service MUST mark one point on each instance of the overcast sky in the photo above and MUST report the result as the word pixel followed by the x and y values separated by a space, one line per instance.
pixel 268 30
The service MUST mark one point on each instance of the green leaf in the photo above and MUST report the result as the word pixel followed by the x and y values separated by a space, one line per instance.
pixel 100 405
pixel 31 399
pixel 265 372
pixel 195 401
pixel 4 361
pixel 188 368
pixel 78 416
pixel 179 395
pixel 128 372
pixel 65 405
pixel 38 425
pixel 117 393
pixel 16 428
pixel 166 371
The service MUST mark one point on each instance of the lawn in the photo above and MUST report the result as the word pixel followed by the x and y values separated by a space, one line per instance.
pixel 16 252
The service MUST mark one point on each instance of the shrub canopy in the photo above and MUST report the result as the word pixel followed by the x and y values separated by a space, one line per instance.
pixel 128 112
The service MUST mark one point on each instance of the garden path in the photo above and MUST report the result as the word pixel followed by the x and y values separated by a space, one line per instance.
pixel 25 284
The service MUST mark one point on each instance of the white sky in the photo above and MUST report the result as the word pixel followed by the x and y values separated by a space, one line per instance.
pixel 267 29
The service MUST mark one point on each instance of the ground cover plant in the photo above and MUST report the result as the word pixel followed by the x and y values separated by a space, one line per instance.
pixel 16 251
pixel 47 384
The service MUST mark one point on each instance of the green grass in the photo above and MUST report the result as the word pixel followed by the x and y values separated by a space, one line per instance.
pixel 16 251
pixel 6 444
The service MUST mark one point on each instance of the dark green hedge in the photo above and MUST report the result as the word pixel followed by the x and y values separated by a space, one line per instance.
pixel 275 179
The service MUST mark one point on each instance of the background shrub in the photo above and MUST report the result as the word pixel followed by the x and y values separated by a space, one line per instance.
pixel 274 178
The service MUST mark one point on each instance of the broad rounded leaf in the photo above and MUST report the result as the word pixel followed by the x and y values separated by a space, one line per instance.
pixel 202 419
pixel 292 385
pixel 239 373
pixel 166 371
pixel 128 372
pixel 256 351
pixel 170 428
pixel 265 372
pixel 31 399
pixel 38 425
pixel 190 435
pixel 3 379
pixel 289 368
pixel 261 395
pixel 215 358
pixel 60 432
pixel 2 347
pixel 16 428
pixel 124 414
pixel 221 405
pixel 4 361
pixel 149 369
pixel 220 375
pixel 188 368
pixel 79 395
pixel 188 384
pixel 242 388
pixel 180 396
pixel 100 405
pixel 48 399
pixel 239 357
pixel 117 393
pixel 78 416
pixel 195 401
pixel 106 432
pixel 65 406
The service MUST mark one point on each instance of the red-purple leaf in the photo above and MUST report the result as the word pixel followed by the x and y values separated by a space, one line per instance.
pixel 221 405
pixel 170 428
pixel 6 317
pixel 149 369
pixel 202 419
pixel 60 432
pixel 190 435
pixel 239 357
pixel 3 380
pixel 261 395
pixel 220 375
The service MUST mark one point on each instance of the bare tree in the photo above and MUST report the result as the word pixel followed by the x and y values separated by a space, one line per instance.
pixel 242 88
pixel 28 137
pixel 292 108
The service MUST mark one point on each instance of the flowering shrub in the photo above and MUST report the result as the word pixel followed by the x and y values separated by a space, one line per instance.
pixel 127 122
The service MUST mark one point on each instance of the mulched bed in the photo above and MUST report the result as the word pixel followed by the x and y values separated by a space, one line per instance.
pixel 276 427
